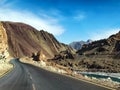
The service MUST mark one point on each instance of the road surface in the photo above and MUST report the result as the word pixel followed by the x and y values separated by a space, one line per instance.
pixel 29 77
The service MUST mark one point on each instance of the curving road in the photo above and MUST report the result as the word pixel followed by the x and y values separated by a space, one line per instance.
pixel 29 77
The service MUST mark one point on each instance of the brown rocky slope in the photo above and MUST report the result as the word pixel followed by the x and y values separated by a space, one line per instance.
pixel 24 40
pixel 102 55
pixel 110 46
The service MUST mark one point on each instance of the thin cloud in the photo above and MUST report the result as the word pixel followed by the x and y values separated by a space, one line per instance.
pixel 103 34
pixel 79 16
pixel 47 23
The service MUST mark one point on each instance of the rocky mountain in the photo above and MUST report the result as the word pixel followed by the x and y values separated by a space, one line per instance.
pixel 78 45
pixel 19 40
pixel 98 56
pixel 110 46
pixel 24 40
pixel 102 55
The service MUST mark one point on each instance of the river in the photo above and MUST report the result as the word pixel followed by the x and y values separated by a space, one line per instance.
pixel 98 75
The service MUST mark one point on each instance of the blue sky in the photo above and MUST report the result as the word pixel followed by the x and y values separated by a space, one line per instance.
pixel 68 20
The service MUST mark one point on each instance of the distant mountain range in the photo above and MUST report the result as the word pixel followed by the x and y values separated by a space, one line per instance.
pixel 78 45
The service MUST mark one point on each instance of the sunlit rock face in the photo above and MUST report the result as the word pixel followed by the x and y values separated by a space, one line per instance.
pixel 3 42
pixel 41 56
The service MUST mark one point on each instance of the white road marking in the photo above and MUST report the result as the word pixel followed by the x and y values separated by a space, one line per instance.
pixel 33 86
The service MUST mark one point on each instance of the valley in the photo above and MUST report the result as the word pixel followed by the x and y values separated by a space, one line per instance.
pixel 42 49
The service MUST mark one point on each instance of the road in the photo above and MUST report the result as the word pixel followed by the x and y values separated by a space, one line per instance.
pixel 28 77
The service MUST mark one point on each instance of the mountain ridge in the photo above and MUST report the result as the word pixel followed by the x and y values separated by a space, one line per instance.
pixel 108 46
pixel 24 40
pixel 99 56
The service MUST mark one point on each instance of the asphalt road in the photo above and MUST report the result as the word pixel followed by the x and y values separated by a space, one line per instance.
pixel 29 77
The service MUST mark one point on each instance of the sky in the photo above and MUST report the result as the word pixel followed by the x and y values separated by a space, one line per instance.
pixel 67 20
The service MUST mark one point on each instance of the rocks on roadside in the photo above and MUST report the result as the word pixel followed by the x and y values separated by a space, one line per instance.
pixel 39 56
pixel 64 55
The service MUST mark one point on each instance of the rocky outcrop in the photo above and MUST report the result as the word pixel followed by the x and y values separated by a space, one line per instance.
pixel 39 56
pixel 24 40
pixel 3 42
pixel 63 55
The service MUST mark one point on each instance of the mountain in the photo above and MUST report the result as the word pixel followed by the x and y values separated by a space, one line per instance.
pixel 78 45
pixel 102 55
pixel 19 40
pixel 24 40
pixel 97 56
pixel 110 46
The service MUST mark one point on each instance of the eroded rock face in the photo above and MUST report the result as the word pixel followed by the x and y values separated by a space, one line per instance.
pixel 23 40
pixel 3 42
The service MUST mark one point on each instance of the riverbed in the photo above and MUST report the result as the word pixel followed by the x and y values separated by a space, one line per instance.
pixel 101 75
